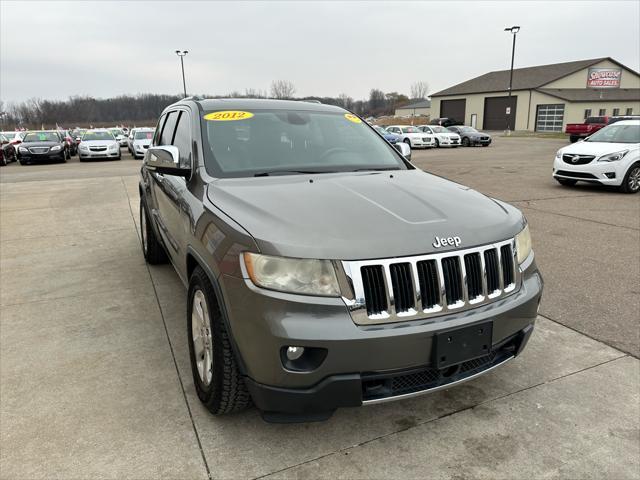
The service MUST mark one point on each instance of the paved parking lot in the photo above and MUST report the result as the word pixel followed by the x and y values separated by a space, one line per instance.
pixel 94 370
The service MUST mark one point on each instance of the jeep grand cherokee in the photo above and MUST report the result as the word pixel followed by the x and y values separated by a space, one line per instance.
pixel 323 269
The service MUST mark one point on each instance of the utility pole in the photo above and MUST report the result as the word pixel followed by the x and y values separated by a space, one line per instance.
pixel 514 30
pixel 182 54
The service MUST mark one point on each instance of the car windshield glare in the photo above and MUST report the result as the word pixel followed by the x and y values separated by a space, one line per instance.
pixel 410 130
pixel 291 141
pixel 97 136
pixel 41 137
pixel 617 133
pixel 468 129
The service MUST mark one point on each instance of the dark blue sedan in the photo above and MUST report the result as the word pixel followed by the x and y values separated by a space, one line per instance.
pixel 388 136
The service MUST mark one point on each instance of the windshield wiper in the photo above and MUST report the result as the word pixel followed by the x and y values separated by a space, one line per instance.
pixel 289 172
pixel 375 169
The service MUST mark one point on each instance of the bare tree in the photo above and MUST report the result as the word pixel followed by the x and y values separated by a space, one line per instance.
pixel 253 93
pixel 345 101
pixel 419 90
pixel 282 89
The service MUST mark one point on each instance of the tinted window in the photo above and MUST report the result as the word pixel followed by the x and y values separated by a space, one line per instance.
pixel 156 136
pixel 289 142
pixel 166 137
pixel 182 139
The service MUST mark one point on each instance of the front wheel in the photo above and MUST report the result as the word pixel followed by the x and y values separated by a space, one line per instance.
pixel 466 142
pixel 216 375
pixel 574 138
pixel 407 141
pixel 631 182
pixel 437 143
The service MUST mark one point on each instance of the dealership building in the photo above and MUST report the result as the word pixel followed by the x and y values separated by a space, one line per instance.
pixel 544 98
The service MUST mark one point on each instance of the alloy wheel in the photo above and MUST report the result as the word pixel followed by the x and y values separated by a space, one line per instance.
pixel 143 229
pixel 201 335
pixel 634 179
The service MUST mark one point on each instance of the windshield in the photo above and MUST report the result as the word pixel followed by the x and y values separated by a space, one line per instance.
pixel 97 136
pixel 116 131
pixel 617 133
pixel 143 135
pixel 289 142
pixel 41 137
pixel 467 129
pixel 410 130
pixel 439 129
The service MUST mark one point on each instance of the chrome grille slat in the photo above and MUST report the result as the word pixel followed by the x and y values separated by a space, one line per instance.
pixel 418 287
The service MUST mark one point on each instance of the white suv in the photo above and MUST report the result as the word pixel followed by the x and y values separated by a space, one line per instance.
pixel 611 156
pixel 412 136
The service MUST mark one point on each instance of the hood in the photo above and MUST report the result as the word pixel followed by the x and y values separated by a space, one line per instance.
pixel 98 143
pixel 417 135
pixel 596 148
pixel 363 215
pixel 391 136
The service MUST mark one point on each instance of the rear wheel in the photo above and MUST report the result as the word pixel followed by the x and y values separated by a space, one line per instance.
pixel 631 182
pixel 567 182
pixel 216 376
pixel 152 249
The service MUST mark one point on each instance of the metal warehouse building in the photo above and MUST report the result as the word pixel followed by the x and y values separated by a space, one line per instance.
pixel 544 98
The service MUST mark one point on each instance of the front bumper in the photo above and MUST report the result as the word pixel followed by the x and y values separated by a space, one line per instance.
pixel 479 141
pixel 449 142
pixel 604 173
pixel 35 157
pixel 357 389
pixel 420 142
pixel 102 154
pixel 354 354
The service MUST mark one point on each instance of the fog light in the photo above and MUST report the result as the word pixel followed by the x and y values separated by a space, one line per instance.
pixel 294 353
pixel 611 174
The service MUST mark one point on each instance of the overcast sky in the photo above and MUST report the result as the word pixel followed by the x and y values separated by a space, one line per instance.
pixel 106 48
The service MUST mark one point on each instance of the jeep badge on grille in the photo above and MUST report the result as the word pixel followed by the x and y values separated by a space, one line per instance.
pixel 443 242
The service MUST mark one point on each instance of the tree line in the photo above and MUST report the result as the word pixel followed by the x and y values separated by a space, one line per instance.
pixel 146 108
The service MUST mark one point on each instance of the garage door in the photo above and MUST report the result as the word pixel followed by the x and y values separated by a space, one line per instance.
pixel 453 109
pixel 495 113
pixel 549 118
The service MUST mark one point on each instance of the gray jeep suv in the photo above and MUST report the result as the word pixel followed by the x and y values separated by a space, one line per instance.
pixel 323 269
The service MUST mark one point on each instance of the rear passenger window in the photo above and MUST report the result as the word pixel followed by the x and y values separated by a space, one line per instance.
pixel 166 137
pixel 182 139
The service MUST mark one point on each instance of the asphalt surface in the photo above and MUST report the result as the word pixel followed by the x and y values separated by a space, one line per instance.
pixel 94 371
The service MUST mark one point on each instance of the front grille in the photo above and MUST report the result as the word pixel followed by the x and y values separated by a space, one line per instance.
pixel 425 140
pixel 39 149
pixel 577 159
pixel 408 288
pixel 565 173
pixel 375 290
pixel 484 139
pixel 97 149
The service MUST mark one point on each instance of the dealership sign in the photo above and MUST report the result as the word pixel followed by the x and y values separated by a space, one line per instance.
pixel 604 78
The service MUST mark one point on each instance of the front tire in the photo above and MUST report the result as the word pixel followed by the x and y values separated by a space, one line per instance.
pixel 437 143
pixel 216 376
pixel 573 138
pixel 153 251
pixel 466 142
pixel 407 141
pixel 631 182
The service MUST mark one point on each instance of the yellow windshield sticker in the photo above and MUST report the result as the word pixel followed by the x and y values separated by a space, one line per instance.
pixel 352 118
pixel 228 116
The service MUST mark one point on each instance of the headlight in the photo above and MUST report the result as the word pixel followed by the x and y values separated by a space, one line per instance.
pixel 55 148
pixel 613 157
pixel 23 150
pixel 84 147
pixel 523 244
pixel 558 155
pixel 303 276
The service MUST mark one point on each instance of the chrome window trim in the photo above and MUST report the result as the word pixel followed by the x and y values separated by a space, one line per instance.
pixel 352 287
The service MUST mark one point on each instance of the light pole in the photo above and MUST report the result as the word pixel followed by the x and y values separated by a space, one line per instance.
pixel 182 54
pixel 514 30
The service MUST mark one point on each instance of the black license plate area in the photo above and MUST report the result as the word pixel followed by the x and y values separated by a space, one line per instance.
pixel 462 344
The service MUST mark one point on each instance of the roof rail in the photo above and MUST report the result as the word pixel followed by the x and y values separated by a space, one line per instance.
pixel 311 100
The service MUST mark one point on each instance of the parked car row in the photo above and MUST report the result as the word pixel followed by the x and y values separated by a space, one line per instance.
pixel 139 140
pixel 434 136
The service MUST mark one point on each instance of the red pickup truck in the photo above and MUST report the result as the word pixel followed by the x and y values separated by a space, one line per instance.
pixel 582 130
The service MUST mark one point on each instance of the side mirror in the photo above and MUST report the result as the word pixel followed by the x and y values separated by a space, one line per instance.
pixel 165 159
pixel 404 149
